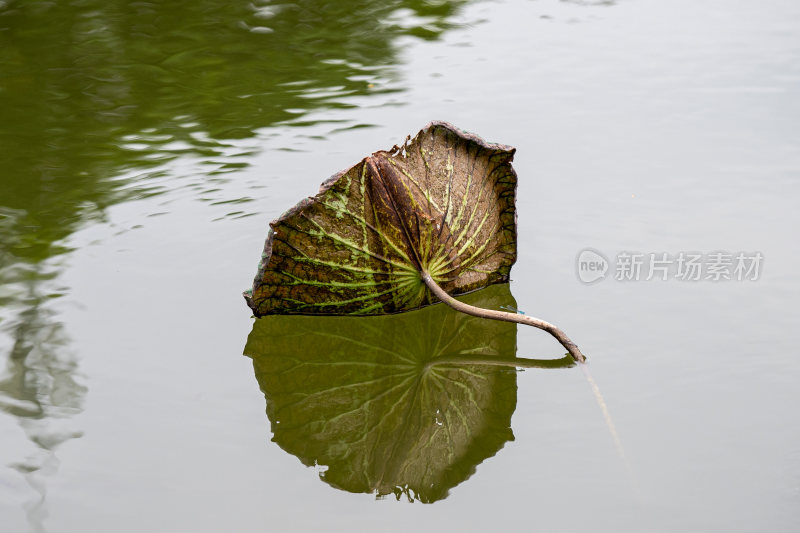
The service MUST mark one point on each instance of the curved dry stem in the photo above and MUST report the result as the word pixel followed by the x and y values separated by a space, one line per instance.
pixel 565 341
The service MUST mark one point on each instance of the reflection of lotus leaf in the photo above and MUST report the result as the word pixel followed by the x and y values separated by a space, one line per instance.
pixel 391 404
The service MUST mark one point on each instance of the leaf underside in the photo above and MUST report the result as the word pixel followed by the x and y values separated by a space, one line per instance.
pixel 442 202
pixel 387 412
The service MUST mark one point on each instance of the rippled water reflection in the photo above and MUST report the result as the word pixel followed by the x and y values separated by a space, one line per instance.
pixel 105 96
pixel 97 89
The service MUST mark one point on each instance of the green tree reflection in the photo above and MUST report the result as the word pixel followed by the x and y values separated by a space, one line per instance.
pixel 89 89
pixel 92 92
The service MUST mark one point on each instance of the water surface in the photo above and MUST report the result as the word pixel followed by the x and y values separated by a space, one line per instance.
pixel 145 147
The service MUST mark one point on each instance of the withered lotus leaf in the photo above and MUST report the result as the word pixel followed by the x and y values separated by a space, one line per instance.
pixel 441 203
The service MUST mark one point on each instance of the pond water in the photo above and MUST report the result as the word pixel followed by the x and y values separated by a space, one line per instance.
pixel 145 147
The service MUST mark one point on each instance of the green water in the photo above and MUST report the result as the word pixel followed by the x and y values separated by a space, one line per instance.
pixel 94 90
pixel 145 146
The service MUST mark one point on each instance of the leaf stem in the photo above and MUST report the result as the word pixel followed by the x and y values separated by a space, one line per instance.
pixel 516 362
pixel 565 341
